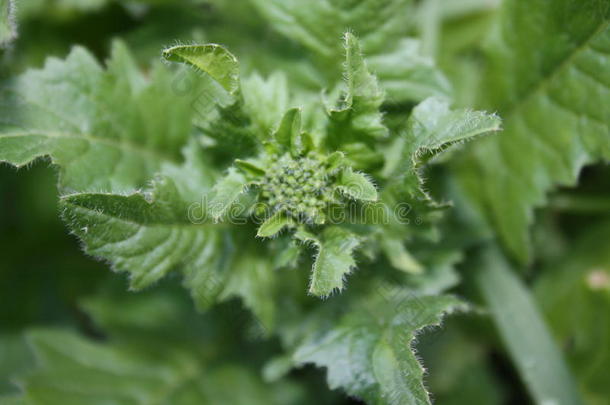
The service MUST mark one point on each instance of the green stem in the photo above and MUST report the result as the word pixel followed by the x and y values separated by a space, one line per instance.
pixel 537 358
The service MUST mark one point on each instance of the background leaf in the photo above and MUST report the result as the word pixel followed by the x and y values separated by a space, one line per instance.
pixel 541 365
pixel 548 79
pixel 8 30
pixel 574 294
pixel 68 111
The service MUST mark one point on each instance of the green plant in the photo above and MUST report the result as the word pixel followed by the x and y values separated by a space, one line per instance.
pixel 288 177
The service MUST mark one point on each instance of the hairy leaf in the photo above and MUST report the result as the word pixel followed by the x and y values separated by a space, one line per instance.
pixel 333 260
pixel 318 25
pixel 210 59
pixel 68 111
pixel 151 233
pixel 358 116
pixel 356 185
pixel 288 133
pixel 433 125
pixel 274 224
pixel 368 352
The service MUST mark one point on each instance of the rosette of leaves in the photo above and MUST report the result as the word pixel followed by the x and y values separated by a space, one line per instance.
pixel 135 156
pixel 308 179
pixel 130 176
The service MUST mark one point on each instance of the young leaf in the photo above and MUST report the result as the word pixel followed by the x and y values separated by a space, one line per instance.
pixel 226 192
pixel 356 185
pixel 249 168
pixel 431 126
pixel 211 59
pixel 358 116
pixel 333 261
pixel 434 125
pixel 288 134
pixel 274 224
pixel 553 96
pixel 398 255
pixel 68 111
pixel 266 100
pixel 368 352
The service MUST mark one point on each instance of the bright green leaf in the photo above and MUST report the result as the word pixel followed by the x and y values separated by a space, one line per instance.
pixel 266 100
pixel 274 224
pixel 288 133
pixel 398 255
pixel 356 185
pixel 211 59
pixel 151 233
pixel 334 259
pixel 434 125
pixel 358 115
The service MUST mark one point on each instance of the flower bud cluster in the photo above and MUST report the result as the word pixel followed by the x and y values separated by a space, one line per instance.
pixel 300 187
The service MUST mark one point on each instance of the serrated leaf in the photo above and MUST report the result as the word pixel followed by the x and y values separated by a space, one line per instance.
pixel 334 259
pixel 368 352
pixel 406 75
pixel 211 59
pixel 433 125
pixel 266 100
pixel 356 185
pixel 68 111
pixel 8 29
pixel 274 224
pixel 253 280
pixel 226 192
pixel 358 116
pixel 553 96
pixel 318 25
pixel 151 233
